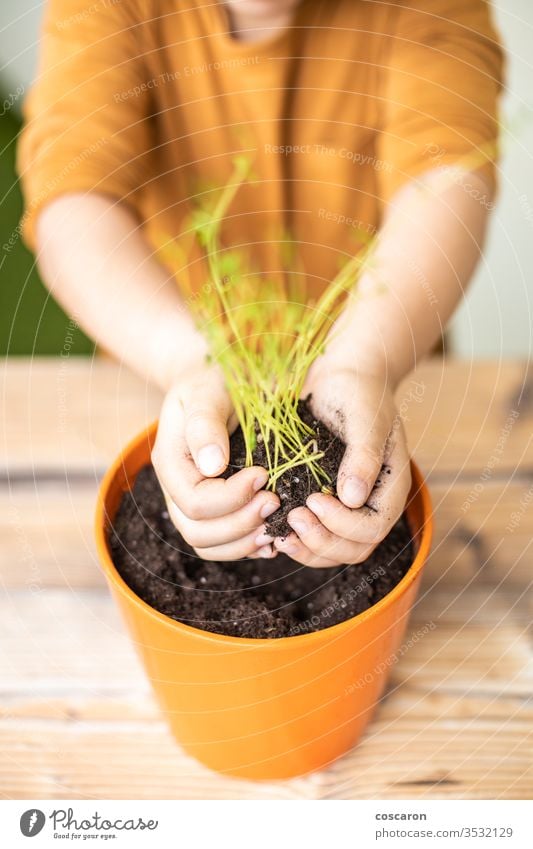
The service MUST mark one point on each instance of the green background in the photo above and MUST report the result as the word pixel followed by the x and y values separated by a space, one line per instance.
pixel 30 320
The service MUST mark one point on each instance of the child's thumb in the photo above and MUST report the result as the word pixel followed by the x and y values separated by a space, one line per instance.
pixel 206 431
pixel 362 461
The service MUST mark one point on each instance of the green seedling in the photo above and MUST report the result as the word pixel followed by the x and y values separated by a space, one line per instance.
pixel 262 333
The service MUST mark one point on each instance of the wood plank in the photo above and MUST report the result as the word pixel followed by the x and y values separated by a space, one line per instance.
pixel 65 760
pixel 47 533
pixel 463 418
pixel 410 698
pixel 445 758
pixel 77 716
pixel 56 642
pixel 455 721
pixel 76 414
pixel 73 414
pixel 482 532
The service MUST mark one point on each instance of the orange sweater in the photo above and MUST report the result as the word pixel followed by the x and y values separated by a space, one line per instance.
pixel 149 101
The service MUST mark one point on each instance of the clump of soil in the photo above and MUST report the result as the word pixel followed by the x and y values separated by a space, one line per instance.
pixel 246 598
pixel 296 485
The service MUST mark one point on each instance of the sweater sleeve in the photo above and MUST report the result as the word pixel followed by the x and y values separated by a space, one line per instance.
pixel 439 92
pixel 86 125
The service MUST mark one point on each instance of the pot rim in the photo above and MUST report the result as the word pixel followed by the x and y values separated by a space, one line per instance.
pixel 419 491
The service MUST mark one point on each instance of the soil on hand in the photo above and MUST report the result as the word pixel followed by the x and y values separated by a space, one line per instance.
pixel 293 487
pixel 246 598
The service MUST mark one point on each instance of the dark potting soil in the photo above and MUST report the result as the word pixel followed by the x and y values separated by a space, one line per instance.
pixel 245 598
pixel 293 487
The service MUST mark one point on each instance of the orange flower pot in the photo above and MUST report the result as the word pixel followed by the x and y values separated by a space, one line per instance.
pixel 272 708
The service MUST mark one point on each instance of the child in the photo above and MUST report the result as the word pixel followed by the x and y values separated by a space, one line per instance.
pixel 361 117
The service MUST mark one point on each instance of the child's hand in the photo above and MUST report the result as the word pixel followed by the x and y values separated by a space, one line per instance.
pixel 219 518
pixel 360 407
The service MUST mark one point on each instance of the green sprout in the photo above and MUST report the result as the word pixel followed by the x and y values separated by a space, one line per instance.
pixel 263 337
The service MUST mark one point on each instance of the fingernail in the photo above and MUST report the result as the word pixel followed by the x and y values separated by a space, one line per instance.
pixel 210 460
pixel 267 509
pixel 315 506
pixel 354 491
pixel 298 526
pixel 258 484
pixel 266 551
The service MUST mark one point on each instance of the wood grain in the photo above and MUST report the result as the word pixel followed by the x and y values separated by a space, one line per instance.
pixel 457 717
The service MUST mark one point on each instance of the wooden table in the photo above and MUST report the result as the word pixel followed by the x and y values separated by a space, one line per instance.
pixel 77 717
